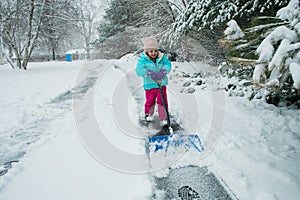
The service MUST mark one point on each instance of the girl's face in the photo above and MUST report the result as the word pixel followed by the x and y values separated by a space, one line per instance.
pixel 153 53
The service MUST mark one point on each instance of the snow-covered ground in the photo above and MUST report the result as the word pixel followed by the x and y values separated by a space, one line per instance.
pixel 49 115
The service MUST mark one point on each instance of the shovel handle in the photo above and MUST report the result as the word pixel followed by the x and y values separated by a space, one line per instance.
pixel 165 107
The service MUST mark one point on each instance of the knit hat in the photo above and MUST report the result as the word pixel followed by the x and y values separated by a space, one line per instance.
pixel 150 43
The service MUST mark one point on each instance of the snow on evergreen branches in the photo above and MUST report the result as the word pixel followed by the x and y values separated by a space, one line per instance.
pixel 280 48
pixel 233 31
pixel 295 71
pixel 209 14
pixel 290 12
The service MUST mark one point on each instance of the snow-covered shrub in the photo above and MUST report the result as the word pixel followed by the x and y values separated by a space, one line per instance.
pixel 237 78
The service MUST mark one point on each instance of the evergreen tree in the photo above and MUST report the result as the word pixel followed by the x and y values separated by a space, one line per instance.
pixel 135 13
pixel 201 14
pixel 271 45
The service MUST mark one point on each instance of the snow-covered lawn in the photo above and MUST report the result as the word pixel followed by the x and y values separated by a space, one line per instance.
pixel 254 146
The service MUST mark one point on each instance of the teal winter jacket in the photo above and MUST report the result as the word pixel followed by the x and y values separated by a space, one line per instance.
pixel 145 63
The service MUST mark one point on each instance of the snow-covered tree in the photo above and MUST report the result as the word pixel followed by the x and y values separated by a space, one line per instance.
pixel 279 52
pixel 58 25
pixel 45 25
pixel 87 14
pixel 136 13
pixel 270 49
pixel 200 14
pixel 20 27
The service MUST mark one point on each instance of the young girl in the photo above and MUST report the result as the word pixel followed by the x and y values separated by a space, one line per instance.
pixel 153 66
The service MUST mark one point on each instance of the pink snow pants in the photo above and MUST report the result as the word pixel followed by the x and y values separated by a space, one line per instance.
pixel 153 96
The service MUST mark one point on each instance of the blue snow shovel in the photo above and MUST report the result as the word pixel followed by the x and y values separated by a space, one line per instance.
pixel 166 138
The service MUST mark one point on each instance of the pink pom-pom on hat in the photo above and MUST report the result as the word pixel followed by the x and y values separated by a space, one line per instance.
pixel 150 43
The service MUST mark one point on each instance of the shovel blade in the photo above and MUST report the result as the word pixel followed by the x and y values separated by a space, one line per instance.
pixel 163 143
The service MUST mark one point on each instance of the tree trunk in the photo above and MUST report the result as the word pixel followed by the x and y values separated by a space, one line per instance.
pixel 2 50
pixel 6 56
pixel 29 37
pixel 25 63
pixel 19 62
pixel 184 3
pixel 53 54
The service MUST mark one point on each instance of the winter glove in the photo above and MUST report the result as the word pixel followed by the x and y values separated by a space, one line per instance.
pixel 161 74
pixel 152 74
